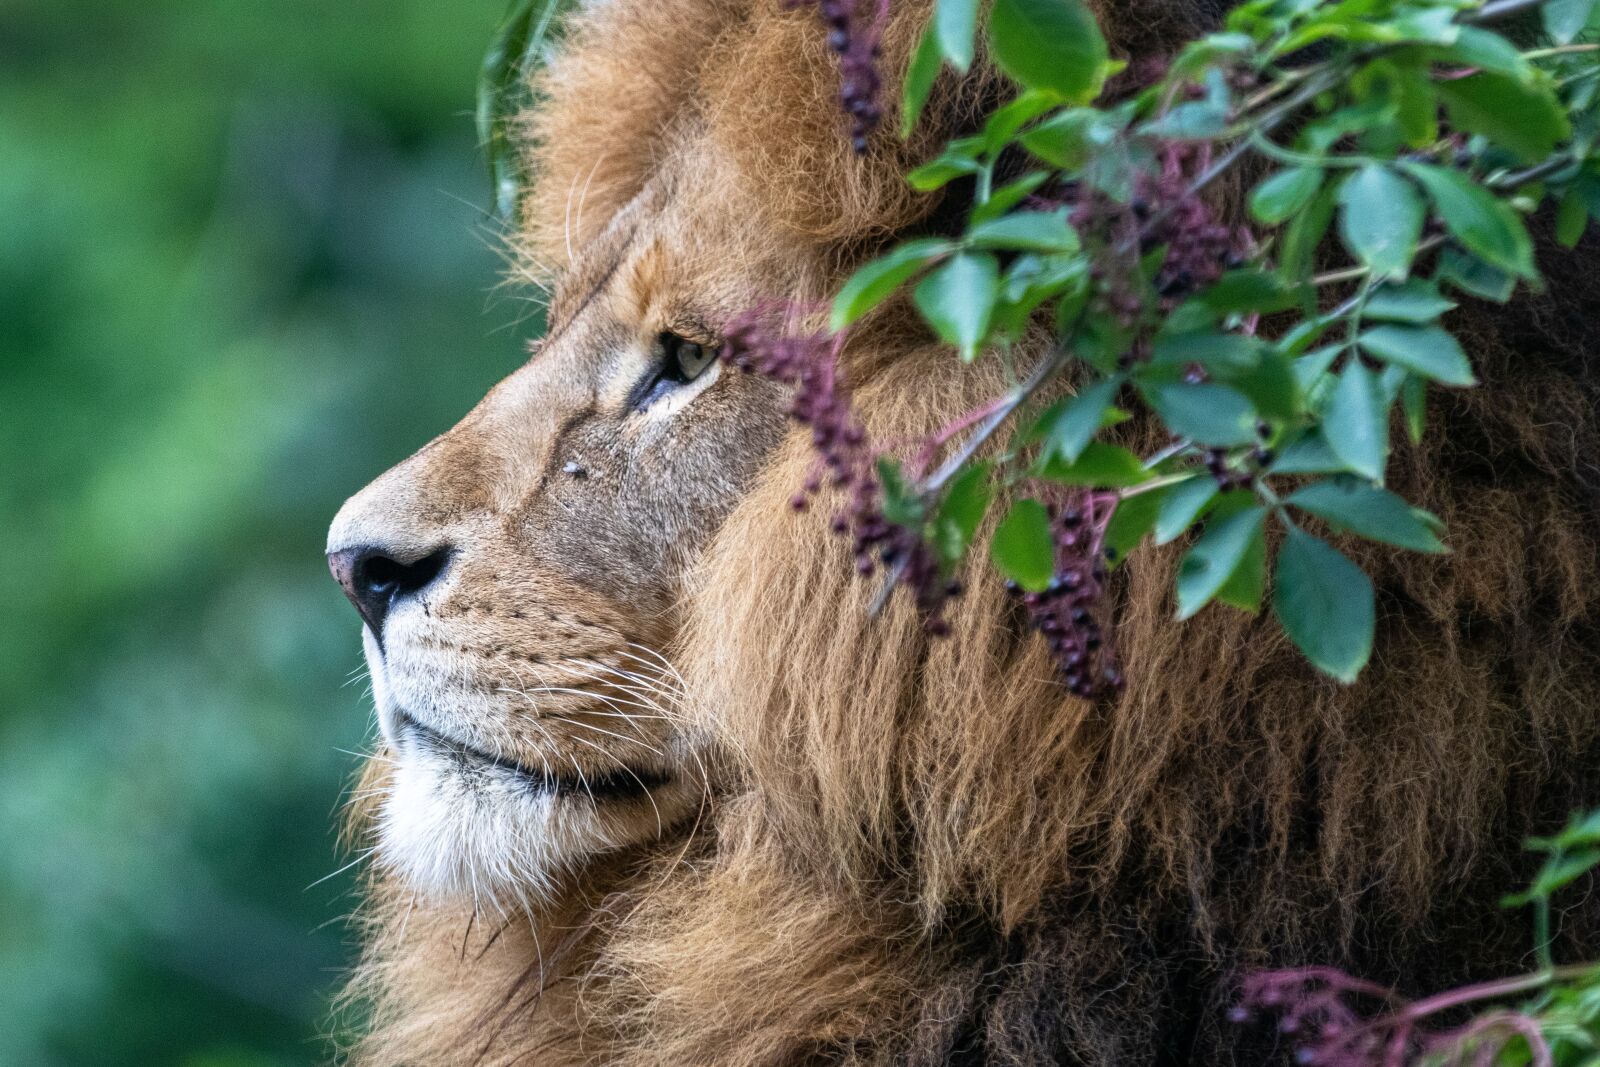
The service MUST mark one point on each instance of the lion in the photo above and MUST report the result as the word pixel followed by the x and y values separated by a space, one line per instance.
pixel 657 788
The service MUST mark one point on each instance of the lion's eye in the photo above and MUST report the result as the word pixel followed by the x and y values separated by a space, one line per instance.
pixel 681 361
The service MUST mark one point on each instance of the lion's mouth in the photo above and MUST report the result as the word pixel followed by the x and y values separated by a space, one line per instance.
pixel 620 783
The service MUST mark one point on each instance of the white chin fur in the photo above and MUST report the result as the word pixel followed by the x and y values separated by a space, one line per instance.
pixel 481 835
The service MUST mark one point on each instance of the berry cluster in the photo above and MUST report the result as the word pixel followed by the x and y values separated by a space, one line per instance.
pixel 854 32
pixel 1069 612
pixel 810 365
pixel 1313 1006
pixel 1199 246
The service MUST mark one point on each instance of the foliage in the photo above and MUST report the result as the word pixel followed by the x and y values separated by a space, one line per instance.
pixel 1410 137
pixel 240 275
pixel 1558 1025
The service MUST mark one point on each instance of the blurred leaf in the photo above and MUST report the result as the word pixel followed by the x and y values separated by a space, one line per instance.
pixel 1380 219
pixel 954 24
pixel 1130 522
pixel 1325 604
pixel 961 511
pixel 1049 44
pixel 924 70
pixel 1414 301
pixel 958 298
pixel 1484 224
pixel 1182 505
pixel 1373 513
pixel 1099 464
pixel 1283 194
pixel 1526 120
pixel 1215 557
pixel 1208 413
pixel 1026 231
pixel 1024 546
pixel 1565 19
pixel 1356 424
pixel 877 281
pixel 1071 430
pixel 1425 350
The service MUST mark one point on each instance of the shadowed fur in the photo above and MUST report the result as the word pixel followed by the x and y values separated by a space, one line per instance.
pixel 923 851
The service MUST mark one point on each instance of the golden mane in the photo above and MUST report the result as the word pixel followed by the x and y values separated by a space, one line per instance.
pixel 925 851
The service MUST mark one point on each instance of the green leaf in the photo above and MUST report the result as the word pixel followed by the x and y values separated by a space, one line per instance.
pixel 1049 44
pixel 1325 604
pixel 1026 231
pixel 1565 19
pixel 1212 561
pixel 1414 301
pixel 1487 50
pixel 938 173
pixel 1572 218
pixel 1209 414
pixel 1558 872
pixel 902 504
pixel 1069 139
pixel 1229 352
pixel 873 283
pixel 1099 465
pixel 960 512
pixel 1305 232
pixel 1414 399
pixel 1525 119
pixel 1373 513
pixel 1380 220
pixel 1182 505
pixel 1472 275
pixel 1248 581
pixel 1003 124
pixel 1008 196
pixel 1024 547
pixel 1080 419
pixel 1308 454
pixel 1356 424
pixel 1581 830
pixel 1484 224
pixel 1252 290
pixel 1271 386
pixel 1133 518
pixel 1285 193
pixel 954 23
pixel 1426 350
pixel 920 77
pixel 958 298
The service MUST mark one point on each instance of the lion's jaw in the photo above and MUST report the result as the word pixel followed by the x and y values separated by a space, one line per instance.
pixel 524 692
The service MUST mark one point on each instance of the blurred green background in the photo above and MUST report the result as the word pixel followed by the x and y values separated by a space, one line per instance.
pixel 244 267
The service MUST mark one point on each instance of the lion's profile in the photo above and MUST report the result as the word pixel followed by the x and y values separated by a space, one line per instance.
pixel 658 791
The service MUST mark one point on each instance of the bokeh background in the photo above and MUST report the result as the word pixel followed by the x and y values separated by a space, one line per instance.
pixel 245 265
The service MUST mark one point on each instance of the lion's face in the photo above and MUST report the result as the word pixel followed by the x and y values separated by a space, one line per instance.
pixel 519 576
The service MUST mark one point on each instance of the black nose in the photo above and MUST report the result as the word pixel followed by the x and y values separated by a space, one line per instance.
pixel 376 581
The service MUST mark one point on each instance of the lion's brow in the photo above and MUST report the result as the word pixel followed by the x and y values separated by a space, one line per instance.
pixel 602 278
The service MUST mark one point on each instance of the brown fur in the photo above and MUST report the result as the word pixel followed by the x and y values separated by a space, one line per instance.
pixel 926 853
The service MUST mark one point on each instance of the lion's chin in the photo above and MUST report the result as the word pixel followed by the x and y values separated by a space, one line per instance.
pixel 460 823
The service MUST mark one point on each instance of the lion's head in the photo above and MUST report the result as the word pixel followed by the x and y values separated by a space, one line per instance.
pixel 592 588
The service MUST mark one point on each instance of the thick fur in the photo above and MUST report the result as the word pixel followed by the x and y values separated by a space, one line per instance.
pixel 924 852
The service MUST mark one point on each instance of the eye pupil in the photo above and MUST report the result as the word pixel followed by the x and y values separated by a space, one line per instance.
pixel 685 358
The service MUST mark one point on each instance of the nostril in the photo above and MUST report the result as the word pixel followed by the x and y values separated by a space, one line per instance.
pixel 375 579
pixel 395 579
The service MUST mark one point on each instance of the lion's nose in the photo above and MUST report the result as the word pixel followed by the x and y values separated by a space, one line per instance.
pixel 375 580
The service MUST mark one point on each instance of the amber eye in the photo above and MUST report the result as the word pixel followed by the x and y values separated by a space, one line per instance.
pixel 679 362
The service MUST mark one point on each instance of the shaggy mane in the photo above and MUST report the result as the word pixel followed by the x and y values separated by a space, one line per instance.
pixel 925 851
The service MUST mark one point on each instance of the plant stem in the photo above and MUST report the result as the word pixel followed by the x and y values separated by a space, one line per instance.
pixel 1001 410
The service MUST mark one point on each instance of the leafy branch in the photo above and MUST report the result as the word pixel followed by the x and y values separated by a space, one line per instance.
pixel 1419 140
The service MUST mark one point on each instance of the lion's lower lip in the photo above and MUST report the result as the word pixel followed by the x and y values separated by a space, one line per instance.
pixel 619 784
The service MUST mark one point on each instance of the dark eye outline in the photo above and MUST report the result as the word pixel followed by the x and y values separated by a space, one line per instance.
pixel 679 362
